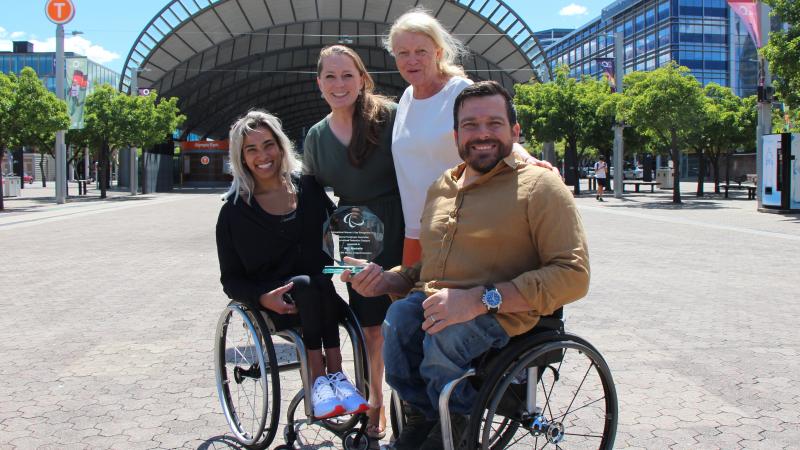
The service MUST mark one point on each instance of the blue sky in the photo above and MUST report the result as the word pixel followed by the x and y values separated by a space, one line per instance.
pixel 110 30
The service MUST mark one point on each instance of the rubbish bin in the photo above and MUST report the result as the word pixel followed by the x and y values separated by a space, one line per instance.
pixel 11 186
pixel 664 177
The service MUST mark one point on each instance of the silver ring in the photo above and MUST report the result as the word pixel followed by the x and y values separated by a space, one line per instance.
pixel 432 319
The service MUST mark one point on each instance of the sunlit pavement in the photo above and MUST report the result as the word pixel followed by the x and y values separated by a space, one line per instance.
pixel 108 312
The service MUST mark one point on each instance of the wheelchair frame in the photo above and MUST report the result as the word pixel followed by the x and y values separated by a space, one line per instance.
pixel 547 336
pixel 266 359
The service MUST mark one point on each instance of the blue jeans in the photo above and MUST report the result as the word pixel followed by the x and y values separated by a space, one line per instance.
pixel 418 365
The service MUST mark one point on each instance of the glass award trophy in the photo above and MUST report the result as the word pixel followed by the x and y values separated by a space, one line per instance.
pixel 352 231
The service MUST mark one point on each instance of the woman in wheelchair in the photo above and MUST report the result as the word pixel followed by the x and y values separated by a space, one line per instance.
pixel 269 235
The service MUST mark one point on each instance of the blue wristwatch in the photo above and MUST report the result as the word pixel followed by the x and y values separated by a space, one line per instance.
pixel 492 299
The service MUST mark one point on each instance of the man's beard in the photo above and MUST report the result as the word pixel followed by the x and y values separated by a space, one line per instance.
pixel 484 163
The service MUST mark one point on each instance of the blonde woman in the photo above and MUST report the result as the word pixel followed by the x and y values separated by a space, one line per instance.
pixel 269 235
pixel 422 138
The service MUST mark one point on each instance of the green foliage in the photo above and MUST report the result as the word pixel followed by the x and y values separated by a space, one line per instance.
pixel 114 120
pixel 566 109
pixel 36 113
pixel 666 105
pixel 7 100
pixel 783 51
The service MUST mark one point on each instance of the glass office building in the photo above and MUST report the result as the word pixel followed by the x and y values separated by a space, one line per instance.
pixel 44 64
pixel 703 35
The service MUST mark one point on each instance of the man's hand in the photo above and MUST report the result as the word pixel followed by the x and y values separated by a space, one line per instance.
pixel 273 300
pixel 370 282
pixel 528 159
pixel 451 306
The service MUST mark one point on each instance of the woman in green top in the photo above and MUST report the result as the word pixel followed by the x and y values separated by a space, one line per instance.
pixel 350 151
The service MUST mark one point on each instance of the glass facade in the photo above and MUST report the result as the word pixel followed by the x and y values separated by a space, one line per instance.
pixel 44 65
pixel 702 35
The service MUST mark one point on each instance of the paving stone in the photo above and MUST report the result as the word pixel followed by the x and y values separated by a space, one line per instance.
pixel 129 363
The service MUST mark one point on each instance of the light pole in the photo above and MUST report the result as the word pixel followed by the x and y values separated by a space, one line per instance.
pixel 133 166
pixel 61 152
pixel 619 145
pixel 764 101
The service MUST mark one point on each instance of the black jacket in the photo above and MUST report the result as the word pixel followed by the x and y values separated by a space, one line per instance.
pixel 256 254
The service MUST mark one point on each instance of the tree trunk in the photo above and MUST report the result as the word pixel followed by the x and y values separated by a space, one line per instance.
pixel 728 167
pixel 41 169
pixel 571 161
pixel 701 172
pixel 102 168
pixel 715 166
pixel 2 153
pixel 675 152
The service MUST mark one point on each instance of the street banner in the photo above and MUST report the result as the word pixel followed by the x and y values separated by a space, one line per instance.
pixel 747 10
pixel 78 79
pixel 607 67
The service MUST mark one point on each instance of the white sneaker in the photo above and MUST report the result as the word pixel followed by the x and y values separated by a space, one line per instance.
pixel 353 402
pixel 324 399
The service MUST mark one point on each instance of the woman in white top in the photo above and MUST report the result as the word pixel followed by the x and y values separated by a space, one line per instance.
pixel 423 146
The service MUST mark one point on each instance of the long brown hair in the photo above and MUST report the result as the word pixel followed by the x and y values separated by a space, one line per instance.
pixel 371 113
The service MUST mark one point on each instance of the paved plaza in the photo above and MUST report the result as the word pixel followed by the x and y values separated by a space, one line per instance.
pixel 108 312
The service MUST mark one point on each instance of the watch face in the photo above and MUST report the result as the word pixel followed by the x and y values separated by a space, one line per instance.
pixel 493 298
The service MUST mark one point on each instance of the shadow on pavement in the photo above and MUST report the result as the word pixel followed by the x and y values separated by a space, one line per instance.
pixel 223 441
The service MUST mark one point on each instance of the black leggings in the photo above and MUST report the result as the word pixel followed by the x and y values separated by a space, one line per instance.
pixel 319 308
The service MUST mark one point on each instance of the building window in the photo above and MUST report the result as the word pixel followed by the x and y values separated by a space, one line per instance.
pixel 663 37
pixel 650 42
pixel 663 10
pixel 650 18
pixel 639 23
pixel 628 28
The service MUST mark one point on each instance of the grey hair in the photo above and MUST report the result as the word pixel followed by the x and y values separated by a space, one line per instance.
pixel 243 183
pixel 420 20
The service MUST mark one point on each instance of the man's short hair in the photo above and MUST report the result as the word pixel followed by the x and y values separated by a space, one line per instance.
pixel 484 89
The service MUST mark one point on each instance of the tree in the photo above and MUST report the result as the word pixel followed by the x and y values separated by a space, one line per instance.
pixel 105 119
pixel 114 120
pixel 730 123
pixel 38 114
pixel 7 100
pixel 783 51
pixel 665 104
pixel 564 108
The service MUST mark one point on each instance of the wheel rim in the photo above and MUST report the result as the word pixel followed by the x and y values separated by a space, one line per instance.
pixel 576 396
pixel 242 375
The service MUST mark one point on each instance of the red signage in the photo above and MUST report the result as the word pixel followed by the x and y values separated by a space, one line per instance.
pixel 204 145
pixel 59 11
pixel 747 10
pixel 205 160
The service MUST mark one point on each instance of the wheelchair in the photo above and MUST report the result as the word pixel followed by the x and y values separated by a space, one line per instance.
pixel 249 383
pixel 546 389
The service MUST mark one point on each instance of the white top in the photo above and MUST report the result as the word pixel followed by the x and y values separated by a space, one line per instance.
pixel 600 169
pixel 423 146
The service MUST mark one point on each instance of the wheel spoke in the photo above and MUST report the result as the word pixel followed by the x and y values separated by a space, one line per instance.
pixel 578 389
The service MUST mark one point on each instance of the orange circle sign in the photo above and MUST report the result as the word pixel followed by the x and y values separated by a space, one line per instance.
pixel 59 11
pixel 205 160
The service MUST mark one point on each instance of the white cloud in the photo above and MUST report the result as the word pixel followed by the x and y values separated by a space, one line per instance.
pixel 79 45
pixel 573 9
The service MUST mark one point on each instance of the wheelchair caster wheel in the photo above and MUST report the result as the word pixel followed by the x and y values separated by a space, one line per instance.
pixel 349 441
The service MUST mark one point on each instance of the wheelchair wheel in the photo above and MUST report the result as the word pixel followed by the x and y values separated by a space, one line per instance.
pixel 247 377
pixel 396 417
pixel 575 401
pixel 302 432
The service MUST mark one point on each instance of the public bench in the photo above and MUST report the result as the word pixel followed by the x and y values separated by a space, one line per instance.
pixel 637 183
pixel 751 189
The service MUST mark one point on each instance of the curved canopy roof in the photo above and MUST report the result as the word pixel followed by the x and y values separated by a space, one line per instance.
pixel 223 57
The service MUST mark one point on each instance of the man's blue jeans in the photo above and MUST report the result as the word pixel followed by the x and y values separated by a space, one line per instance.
pixel 418 365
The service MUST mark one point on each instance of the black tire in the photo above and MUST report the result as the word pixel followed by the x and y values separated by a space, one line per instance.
pixel 575 393
pixel 349 441
pixel 396 416
pixel 248 382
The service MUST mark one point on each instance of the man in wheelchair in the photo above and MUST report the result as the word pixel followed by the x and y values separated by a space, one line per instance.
pixel 502 245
